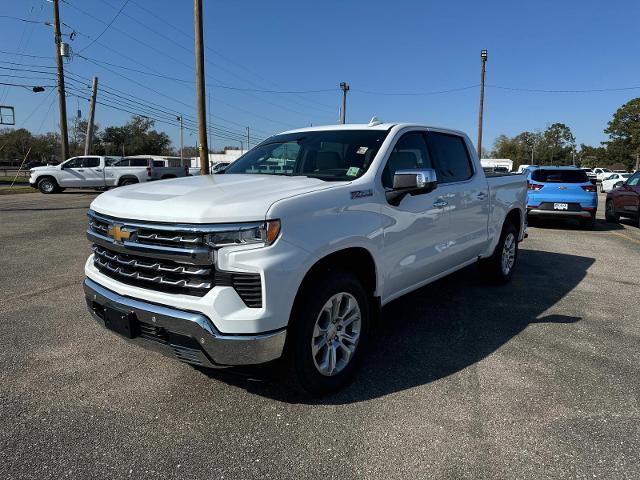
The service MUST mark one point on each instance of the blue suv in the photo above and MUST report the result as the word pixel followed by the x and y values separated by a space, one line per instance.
pixel 562 192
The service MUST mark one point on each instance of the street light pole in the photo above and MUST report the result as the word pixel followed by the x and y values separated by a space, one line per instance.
pixel 179 118
pixel 344 86
pixel 483 59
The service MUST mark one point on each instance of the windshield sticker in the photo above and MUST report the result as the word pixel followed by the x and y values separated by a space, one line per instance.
pixel 361 194
pixel 362 150
pixel 353 171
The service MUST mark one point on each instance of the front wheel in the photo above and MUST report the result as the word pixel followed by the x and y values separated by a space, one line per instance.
pixel 610 214
pixel 499 266
pixel 328 332
pixel 47 185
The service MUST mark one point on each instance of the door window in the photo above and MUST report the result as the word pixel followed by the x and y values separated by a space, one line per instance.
pixel 453 163
pixel 91 162
pixel 410 152
pixel 74 163
pixel 634 179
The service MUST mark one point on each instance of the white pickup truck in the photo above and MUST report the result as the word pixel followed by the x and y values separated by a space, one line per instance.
pixel 292 251
pixel 101 172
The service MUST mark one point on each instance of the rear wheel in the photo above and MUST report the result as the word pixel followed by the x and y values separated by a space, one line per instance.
pixel 601 188
pixel 610 214
pixel 499 266
pixel 588 223
pixel 127 181
pixel 47 185
pixel 328 332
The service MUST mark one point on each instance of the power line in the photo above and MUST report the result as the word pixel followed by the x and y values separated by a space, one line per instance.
pixel 177 60
pixel 412 94
pixel 589 90
pixel 107 27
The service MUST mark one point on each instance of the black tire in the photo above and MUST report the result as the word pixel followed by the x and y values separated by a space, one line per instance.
pixel 601 189
pixel 127 181
pixel 588 223
pixel 299 360
pixel 610 214
pixel 492 267
pixel 48 185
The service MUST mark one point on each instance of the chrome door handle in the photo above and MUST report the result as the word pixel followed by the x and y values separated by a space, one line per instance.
pixel 440 203
pixel 481 196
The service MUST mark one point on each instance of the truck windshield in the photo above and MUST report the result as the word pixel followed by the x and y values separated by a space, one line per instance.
pixel 332 155
pixel 559 176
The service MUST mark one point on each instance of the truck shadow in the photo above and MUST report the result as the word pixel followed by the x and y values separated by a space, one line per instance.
pixel 441 329
pixel 570 224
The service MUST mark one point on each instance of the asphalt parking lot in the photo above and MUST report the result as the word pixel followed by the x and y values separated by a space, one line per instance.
pixel 537 379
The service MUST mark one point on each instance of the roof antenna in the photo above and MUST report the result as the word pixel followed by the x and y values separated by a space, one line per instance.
pixel 374 121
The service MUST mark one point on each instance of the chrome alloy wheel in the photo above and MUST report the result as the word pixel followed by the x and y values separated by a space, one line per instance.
pixel 47 185
pixel 508 253
pixel 336 334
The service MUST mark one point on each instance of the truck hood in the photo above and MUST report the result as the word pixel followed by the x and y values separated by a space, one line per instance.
pixel 204 199
pixel 45 167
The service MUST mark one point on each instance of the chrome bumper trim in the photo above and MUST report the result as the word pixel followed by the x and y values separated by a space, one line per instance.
pixel 217 349
pixel 558 213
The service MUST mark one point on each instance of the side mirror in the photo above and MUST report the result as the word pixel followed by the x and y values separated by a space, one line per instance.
pixel 618 184
pixel 411 182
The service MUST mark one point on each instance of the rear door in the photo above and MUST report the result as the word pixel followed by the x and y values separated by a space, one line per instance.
pixel 93 172
pixel 466 193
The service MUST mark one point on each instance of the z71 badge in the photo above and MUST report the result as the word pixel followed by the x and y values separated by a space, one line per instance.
pixel 361 194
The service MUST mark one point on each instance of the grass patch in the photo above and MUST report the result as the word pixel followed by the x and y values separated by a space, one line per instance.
pixel 18 180
pixel 15 189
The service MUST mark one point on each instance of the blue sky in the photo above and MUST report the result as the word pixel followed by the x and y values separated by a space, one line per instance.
pixel 376 46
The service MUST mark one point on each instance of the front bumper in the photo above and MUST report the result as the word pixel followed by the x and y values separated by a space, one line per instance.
pixel 190 336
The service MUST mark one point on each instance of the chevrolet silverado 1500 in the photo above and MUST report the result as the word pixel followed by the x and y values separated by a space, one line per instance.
pixel 101 172
pixel 293 249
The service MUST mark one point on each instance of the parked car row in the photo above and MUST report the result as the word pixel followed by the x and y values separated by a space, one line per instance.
pixel 102 172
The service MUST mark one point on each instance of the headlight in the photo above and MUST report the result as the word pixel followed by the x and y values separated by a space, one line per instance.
pixel 264 233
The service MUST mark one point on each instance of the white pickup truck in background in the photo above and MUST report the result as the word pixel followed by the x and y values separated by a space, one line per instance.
pixel 292 250
pixel 101 172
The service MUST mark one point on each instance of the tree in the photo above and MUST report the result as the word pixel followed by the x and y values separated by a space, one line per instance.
pixel 134 138
pixel 559 143
pixel 624 134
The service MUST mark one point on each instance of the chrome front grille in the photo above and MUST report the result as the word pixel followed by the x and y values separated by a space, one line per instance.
pixel 164 257
pixel 194 279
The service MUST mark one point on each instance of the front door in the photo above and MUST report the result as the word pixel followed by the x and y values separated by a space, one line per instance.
pixel 82 172
pixel 416 231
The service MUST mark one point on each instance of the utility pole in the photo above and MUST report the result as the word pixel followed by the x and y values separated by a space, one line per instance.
pixel 200 88
pixel 64 137
pixel 248 139
pixel 179 118
pixel 637 161
pixel 483 58
pixel 344 86
pixel 88 142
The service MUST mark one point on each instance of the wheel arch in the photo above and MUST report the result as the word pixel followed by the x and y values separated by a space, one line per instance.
pixel 124 178
pixel 357 260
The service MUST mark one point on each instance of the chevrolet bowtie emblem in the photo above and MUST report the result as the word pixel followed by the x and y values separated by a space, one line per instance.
pixel 118 233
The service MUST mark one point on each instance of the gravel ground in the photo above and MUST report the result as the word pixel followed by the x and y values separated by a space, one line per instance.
pixel 537 379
